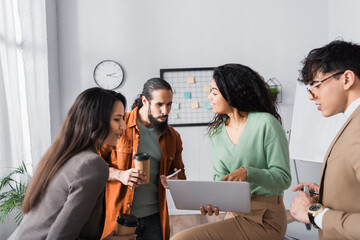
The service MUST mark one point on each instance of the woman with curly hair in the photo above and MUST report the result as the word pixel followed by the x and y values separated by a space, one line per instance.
pixel 248 144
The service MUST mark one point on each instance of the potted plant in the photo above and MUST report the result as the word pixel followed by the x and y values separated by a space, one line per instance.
pixel 12 192
pixel 274 91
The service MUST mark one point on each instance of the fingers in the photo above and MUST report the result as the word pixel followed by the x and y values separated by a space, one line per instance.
pixel 163 181
pixel 225 178
pixel 216 211
pixel 134 177
pixel 312 186
pixel 209 210
pixel 298 187
pixel 202 210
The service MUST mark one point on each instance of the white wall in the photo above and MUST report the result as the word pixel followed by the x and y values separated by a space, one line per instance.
pixel 344 20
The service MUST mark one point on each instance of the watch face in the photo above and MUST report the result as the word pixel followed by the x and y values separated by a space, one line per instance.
pixel 108 74
pixel 315 207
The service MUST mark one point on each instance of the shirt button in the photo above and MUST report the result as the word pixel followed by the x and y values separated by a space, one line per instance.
pixel 128 205
pixel 119 149
pixel 137 136
pixel 134 153
pixel 131 188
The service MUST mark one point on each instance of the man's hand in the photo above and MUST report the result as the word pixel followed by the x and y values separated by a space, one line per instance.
pixel 238 175
pixel 302 202
pixel 132 177
pixel 163 179
pixel 313 188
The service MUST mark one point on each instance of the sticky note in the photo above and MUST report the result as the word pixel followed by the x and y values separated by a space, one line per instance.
pixel 208 105
pixel 174 116
pixel 173 90
pixel 191 79
pixel 175 106
pixel 207 89
pixel 187 95
pixel 194 104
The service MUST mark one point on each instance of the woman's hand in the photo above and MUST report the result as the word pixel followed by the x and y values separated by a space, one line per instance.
pixel 163 179
pixel 112 236
pixel 132 177
pixel 238 175
pixel 209 210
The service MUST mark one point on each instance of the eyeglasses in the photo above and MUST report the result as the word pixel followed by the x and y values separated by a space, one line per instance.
pixel 316 84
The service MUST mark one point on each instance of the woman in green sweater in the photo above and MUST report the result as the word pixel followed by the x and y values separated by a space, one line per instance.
pixel 249 144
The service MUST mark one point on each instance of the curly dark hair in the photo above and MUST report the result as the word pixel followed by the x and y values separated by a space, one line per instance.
pixel 337 56
pixel 245 90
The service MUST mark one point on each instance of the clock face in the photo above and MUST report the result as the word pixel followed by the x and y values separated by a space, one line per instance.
pixel 108 74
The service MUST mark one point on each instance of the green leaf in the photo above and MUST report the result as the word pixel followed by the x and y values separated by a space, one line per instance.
pixel 12 199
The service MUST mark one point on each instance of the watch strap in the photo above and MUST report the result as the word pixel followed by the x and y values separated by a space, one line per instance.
pixel 312 220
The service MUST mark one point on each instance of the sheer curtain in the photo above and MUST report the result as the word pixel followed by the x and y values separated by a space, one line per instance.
pixel 24 85
pixel 24 88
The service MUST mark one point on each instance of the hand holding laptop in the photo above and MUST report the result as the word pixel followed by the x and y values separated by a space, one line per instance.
pixel 209 210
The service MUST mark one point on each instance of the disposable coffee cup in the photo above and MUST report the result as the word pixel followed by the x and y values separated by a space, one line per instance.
pixel 126 224
pixel 142 162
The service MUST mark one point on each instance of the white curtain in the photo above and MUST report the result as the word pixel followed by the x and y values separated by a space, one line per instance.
pixel 24 88
pixel 24 85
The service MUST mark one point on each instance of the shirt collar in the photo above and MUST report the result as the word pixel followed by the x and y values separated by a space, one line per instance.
pixel 352 107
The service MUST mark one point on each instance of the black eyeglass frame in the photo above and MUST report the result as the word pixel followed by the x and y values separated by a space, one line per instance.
pixel 314 84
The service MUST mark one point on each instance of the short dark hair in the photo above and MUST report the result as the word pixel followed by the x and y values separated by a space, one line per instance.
pixel 243 89
pixel 151 85
pixel 336 56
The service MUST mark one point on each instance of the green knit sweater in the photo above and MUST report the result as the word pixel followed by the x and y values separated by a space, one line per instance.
pixel 262 149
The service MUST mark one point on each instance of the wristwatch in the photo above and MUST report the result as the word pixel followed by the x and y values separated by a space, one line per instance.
pixel 314 210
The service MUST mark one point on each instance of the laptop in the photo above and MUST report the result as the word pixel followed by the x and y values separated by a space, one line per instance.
pixel 226 195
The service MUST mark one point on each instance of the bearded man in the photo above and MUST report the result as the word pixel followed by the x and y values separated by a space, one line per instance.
pixel 146 131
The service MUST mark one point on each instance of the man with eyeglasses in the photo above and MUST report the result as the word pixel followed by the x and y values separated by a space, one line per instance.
pixel 332 74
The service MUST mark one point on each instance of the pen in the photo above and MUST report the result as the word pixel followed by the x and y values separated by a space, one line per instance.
pixel 173 174
pixel 311 191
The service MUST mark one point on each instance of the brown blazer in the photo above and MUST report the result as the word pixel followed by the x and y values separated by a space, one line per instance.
pixel 340 183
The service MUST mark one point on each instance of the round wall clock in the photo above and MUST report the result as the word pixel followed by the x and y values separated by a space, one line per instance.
pixel 108 74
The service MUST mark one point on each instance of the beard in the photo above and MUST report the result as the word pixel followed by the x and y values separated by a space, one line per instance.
pixel 159 127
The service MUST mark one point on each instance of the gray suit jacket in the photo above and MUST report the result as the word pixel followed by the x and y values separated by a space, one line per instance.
pixel 340 183
pixel 73 204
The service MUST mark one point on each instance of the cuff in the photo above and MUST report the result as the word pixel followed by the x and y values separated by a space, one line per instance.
pixel 318 218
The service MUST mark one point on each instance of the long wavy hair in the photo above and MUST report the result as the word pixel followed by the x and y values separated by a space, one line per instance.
pixel 243 89
pixel 151 85
pixel 87 124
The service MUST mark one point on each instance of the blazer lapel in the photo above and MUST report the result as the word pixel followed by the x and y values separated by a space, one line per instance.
pixel 357 111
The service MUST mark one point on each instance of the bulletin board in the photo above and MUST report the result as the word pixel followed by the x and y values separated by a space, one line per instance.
pixel 191 87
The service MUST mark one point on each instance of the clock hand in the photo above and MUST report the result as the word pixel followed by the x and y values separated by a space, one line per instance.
pixel 109 75
pixel 114 76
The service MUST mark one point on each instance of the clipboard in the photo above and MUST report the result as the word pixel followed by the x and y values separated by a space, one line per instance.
pixel 226 195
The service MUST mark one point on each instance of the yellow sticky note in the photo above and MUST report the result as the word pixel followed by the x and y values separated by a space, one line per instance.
pixel 207 89
pixel 173 90
pixel 191 79
pixel 174 115
pixel 194 104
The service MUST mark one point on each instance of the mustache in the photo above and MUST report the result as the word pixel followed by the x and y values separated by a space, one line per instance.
pixel 162 116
